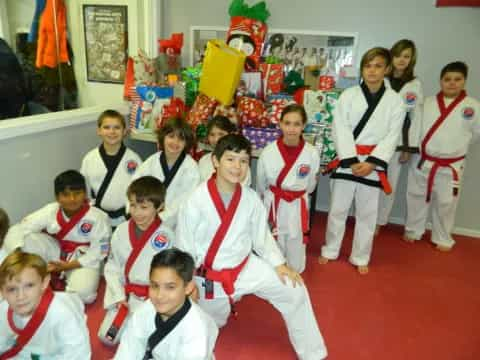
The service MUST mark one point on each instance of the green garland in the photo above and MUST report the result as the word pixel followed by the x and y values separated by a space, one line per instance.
pixel 258 11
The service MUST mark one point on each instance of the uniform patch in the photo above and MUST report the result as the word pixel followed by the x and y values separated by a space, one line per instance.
pixel 303 171
pixel 410 98
pixel 131 166
pixel 468 113
pixel 159 241
pixel 86 228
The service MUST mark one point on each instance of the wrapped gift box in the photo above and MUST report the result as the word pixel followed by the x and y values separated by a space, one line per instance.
pixel 272 77
pixel 147 106
pixel 261 137
pixel 201 110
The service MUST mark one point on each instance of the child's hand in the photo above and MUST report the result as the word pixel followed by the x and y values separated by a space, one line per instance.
pixel 404 157
pixel 363 169
pixel 285 271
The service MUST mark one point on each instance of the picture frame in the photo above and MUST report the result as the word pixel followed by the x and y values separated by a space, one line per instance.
pixel 106 42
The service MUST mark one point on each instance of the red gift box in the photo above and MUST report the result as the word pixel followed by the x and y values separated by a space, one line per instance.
pixel 201 110
pixel 326 82
pixel 272 78
pixel 251 112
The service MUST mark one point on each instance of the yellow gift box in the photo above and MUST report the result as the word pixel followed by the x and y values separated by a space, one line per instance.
pixel 221 71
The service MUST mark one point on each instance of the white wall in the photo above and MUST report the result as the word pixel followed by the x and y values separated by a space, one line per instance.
pixel 441 34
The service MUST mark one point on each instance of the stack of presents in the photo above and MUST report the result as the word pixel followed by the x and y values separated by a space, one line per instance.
pixel 233 80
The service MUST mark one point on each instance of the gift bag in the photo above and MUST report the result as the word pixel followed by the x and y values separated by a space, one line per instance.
pixel 274 110
pixel 326 82
pixel 147 107
pixel 221 71
pixel 175 108
pixel 140 71
pixel 261 137
pixel 201 110
pixel 272 78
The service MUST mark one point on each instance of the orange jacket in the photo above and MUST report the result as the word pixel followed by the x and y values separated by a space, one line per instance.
pixel 47 48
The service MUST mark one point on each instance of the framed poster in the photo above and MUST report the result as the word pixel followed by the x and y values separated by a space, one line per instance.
pixel 106 42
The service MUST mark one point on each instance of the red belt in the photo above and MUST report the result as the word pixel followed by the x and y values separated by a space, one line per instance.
pixel 289 196
pixel 67 247
pixel 364 150
pixel 438 163
pixel 140 291
pixel 225 277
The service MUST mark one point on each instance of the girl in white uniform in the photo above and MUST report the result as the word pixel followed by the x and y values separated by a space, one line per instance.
pixel 403 81
pixel 450 123
pixel 35 322
pixel 173 166
pixel 366 128
pixel 109 169
pixel 286 174
pixel 134 243
pixel 217 127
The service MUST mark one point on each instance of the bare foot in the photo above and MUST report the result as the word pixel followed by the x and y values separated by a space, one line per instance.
pixel 362 269
pixel 322 260
pixel 443 248
pixel 377 229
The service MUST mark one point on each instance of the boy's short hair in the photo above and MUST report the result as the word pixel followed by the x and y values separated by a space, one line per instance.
pixel 373 53
pixel 111 114
pixel 178 260
pixel 181 128
pixel 296 108
pixel 4 225
pixel 18 261
pixel 223 123
pixel 147 188
pixel 232 142
pixel 456 66
pixel 69 180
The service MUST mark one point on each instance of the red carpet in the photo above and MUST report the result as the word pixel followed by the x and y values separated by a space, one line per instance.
pixel 416 303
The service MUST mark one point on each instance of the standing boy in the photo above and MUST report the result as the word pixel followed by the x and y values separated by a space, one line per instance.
pixel 450 122
pixel 133 245
pixel 35 322
pixel 72 236
pixel 366 130
pixel 223 225
pixel 169 325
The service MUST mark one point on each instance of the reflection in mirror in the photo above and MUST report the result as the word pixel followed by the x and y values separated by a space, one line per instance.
pixel 36 70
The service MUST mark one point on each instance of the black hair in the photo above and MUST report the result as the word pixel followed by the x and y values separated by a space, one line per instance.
pixel 181 128
pixel 221 122
pixel 178 260
pixel 232 142
pixel 69 180
pixel 456 66
pixel 4 225
pixel 148 188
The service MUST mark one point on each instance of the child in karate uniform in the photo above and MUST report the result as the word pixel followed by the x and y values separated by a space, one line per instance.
pixel 133 245
pixel 409 87
pixel 450 123
pixel 109 169
pixel 217 127
pixel 173 166
pixel 72 236
pixel 223 225
pixel 169 325
pixel 35 322
pixel 286 175
pixel 366 130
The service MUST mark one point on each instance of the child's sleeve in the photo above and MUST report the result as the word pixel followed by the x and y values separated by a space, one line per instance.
pixel 133 343
pixel 261 176
pixel 99 243
pixel 264 244
pixel 114 276
pixel 39 220
pixel 384 150
pixel 342 133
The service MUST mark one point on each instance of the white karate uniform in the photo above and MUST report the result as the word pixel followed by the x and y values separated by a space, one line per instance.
pixel 114 271
pixel 63 334
pixel 13 238
pixel 451 140
pixel 248 235
pixel 301 177
pixel 383 129
pixel 193 338
pixel 184 182
pixel 94 170
pixel 205 166
pixel 412 96
pixel 94 228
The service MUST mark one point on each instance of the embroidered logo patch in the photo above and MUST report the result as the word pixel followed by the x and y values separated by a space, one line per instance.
pixel 131 166
pixel 410 98
pixel 159 241
pixel 86 228
pixel 303 171
pixel 468 113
